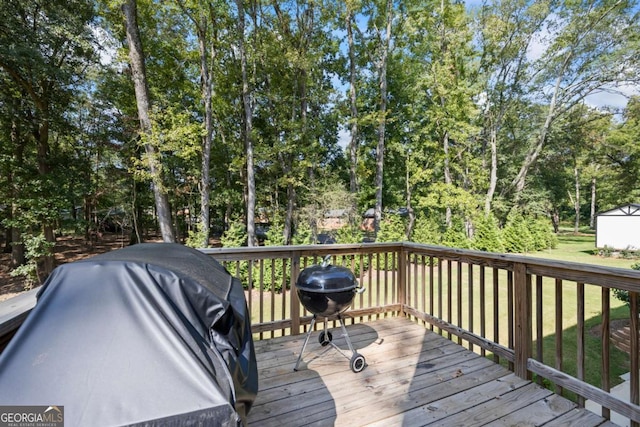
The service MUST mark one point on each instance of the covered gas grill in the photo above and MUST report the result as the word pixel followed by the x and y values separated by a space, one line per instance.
pixel 328 290
pixel 152 334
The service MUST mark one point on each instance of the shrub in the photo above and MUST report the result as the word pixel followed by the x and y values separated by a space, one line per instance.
pixel 235 236
pixel 302 235
pixel 352 234
pixel 527 234
pixel 36 248
pixel 542 234
pixel 516 235
pixel 606 252
pixel 426 231
pixel 349 234
pixel 487 236
pixel 276 270
pixel 392 229
pixel 274 234
pixel 456 235
pixel 621 294
pixel 629 253
pixel 196 238
pixel 277 273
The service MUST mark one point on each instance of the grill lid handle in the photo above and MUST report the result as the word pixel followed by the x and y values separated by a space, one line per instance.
pixel 326 261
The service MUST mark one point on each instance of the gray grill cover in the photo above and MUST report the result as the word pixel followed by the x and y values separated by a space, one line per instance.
pixel 152 334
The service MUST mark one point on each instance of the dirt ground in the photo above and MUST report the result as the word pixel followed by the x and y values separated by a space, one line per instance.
pixel 67 249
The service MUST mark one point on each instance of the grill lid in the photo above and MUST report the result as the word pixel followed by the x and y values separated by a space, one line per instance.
pixel 325 278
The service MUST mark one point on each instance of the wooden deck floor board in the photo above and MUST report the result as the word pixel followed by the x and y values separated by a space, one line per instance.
pixel 498 406
pixel 402 401
pixel 428 361
pixel 284 352
pixel 413 377
pixel 387 389
pixel 536 414
pixel 579 418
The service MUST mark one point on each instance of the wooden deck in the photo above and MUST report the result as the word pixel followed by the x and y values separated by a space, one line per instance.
pixel 413 377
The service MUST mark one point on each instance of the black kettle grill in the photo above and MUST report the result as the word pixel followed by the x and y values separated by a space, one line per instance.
pixel 328 290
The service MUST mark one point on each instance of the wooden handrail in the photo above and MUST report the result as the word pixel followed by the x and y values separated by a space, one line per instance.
pixel 431 284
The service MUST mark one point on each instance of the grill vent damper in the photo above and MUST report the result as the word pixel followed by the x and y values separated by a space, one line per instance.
pixel 328 290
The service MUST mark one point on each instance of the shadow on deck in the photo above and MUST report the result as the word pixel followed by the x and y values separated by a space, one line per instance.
pixel 413 377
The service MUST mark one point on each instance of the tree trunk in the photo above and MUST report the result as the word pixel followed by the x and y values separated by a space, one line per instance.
pixel 87 209
pixel 493 173
pixel 304 106
pixel 8 243
pixel 44 170
pixel 444 48
pixel 353 144
pixel 8 239
pixel 248 130
pixel 532 155
pixel 555 220
pixel 576 204
pixel 138 71
pixel 207 89
pixel 447 176
pixel 17 247
pixel 592 217
pixel 137 232
pixel 412 216
pixel 14 236
pixel 288 221
pixel 382 72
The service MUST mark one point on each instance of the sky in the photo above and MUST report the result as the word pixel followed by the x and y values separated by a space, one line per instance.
pixel 616 98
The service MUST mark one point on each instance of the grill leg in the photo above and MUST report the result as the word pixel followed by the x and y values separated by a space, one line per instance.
pixel 346 336
pixel 357 360
pixel 306 340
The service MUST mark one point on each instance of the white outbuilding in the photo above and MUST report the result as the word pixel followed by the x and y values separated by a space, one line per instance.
pixel 619 228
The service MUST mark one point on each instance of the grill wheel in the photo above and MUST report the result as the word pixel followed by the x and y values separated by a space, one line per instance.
pixel 357 363
pixel 324 340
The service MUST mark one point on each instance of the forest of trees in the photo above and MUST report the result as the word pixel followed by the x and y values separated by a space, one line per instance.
pixel 196 117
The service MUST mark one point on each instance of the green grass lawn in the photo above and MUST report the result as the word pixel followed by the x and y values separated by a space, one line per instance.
pixel 581 248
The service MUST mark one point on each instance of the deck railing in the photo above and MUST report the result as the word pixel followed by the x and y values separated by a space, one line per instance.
pixel 532 314
pixel 536 316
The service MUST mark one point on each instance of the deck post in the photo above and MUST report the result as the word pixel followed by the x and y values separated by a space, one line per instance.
pixel 403 254
pixel 634 350
pixel 523 324
pixel 295 303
